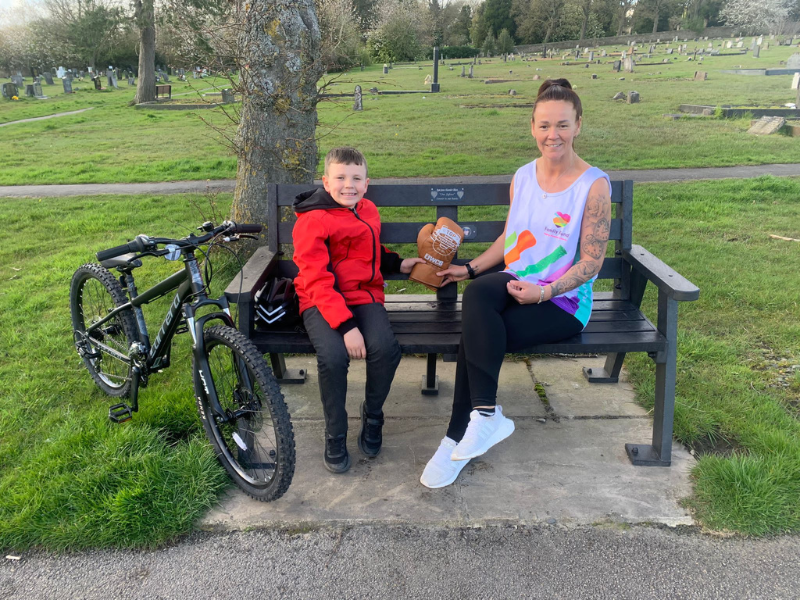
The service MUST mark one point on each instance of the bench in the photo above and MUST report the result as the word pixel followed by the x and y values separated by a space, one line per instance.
pixel 163 92
pixel 428 324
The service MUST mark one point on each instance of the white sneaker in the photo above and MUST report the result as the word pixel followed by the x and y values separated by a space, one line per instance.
pixel 483 433
pixel 441 470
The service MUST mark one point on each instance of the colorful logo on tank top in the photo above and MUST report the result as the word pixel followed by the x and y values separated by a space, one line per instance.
pixel 561 219
pixel 516 245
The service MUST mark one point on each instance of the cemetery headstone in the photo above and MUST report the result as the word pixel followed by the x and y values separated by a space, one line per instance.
pixel 603 53
pixel 633 97
pixel 796 81
pixel 60 72
pixel 617 65
pixel 767 126
pixel 537 77
pixel 131 81
pixel 357 100
pixel 97 85
pixel 69 75
pixel 29 91
pixel 37 90
pixel 619 96
pixel 512 92
pixel 729 45
pixel 700 75
pixel 470 72
pixel 228 96
pixel 463 71
pixel 756 51
pixel 17 80
pixel 594 75
pixel 67 85
pixel 739 44
pixel 10 90
pixel 114 81
pixel 385 69
pixel 794 61
pixel 48 78
pixel 591 56
pixel 669 50
pixel 629 64
pixel 166 77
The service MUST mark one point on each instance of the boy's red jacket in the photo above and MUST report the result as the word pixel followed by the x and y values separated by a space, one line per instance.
pixel 340 257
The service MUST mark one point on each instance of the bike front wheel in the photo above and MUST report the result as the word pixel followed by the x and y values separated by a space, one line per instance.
pixel 253 436
pixel 93 294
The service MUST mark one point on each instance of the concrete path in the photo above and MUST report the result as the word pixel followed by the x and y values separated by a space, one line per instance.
pixel 63 114
pixel 227 185
pixel 565 463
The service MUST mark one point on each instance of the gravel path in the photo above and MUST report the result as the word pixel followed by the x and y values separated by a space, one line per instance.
pixel 227 185
pixel 63 114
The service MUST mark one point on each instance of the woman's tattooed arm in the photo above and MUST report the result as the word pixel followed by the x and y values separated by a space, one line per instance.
pixel 594 239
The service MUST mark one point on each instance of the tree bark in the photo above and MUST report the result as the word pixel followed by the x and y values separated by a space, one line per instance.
pixel 655 19
pixel 145 19
pixel 280 66
pixel 587 9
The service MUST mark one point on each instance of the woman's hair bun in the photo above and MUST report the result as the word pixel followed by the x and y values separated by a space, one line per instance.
pixel 552 82
pixel 558 90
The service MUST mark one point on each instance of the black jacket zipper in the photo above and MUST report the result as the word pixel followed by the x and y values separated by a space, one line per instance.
pixel 355 212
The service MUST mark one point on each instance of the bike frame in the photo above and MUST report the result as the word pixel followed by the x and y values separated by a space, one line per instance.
pixel 189 283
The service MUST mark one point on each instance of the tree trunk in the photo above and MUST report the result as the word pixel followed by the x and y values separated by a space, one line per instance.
pixel 622 12
pixel 655 20
pixel 587 9
pixel 145 19
pixel 279 49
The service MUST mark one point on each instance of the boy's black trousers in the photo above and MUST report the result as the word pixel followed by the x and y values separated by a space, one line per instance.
pixel 383 356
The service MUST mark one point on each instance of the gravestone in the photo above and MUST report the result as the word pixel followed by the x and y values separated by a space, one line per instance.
pixel 228 96
pixel 463 71
pixel 629 64
pixel 739 44
pixel 796 81
pixel 700 75
pixel 29 91
pixel 114 81
pixel 767 126
pixel 594 75
pixel 470 72
pixel 357 101
pixel 428 80
pixel 512 92
pixel 131 81
pixel 18 80
pixel 97 85
pixel 69 75
pixel 385 69
pixel 603 53
pixel 48 78
pixel 37 90
pixel 60 72
pixel 591 56
pixel 669 50
pixel 617 65
pixel 10 90
pixel 67 85
pixel 753 44
pixel 756 51
pixel 624 55
pixel 619 96
pixel 166 77
pixel 729 45
pixel 652 49
pixel 794 61
pixel 537 77
pixel 633 97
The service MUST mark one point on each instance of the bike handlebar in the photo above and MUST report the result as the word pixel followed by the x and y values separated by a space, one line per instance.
pixel 143 243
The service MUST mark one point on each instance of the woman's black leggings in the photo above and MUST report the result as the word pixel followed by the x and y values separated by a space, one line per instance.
pixel 494 323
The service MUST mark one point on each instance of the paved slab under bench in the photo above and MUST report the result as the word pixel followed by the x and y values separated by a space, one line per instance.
pixel 565 462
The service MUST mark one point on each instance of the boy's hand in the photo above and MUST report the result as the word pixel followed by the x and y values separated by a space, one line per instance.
pixel 408 264
pixel 354 342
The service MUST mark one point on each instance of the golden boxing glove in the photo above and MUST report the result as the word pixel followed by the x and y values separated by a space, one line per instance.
pixel 437 244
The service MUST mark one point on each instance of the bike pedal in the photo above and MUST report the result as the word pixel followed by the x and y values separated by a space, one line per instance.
pixel 119 413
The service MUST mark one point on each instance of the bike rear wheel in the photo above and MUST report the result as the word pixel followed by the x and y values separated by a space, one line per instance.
pixel 253 439
pixel 93 294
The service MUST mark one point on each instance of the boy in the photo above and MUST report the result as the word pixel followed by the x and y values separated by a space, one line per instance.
pixel 340 287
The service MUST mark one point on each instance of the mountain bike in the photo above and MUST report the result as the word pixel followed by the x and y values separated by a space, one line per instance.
pixel 238 399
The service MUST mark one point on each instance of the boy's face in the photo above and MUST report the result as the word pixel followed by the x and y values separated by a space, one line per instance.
pixel 346 184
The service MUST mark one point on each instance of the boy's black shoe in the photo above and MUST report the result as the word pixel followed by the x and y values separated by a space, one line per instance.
pixel 336 458
pixel 371 436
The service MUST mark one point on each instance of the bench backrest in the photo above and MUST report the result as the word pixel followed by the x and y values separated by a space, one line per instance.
pixel 447 199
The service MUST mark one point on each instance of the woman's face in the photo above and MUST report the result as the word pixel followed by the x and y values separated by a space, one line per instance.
pixel 555 124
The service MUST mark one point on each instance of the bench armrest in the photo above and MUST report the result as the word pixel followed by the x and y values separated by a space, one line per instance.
pixel 251 278
pixel 665 278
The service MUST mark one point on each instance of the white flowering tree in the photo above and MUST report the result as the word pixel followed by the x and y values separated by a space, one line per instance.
pixel 757 16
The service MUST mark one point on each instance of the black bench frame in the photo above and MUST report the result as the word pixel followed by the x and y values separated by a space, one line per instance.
pixel 427 324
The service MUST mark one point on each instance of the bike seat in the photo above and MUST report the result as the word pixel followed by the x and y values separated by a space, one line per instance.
pixel 126 260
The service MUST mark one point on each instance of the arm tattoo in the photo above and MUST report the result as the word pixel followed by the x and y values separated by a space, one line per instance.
pixel 596 229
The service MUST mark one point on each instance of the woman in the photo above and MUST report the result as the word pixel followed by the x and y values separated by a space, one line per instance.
pixel 553 247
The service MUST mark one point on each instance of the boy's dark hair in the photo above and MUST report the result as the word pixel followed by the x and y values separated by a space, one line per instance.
pixel 344 155
pixel 558 89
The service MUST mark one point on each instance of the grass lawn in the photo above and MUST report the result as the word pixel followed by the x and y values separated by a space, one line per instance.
pixel 454 132
pixel 71 479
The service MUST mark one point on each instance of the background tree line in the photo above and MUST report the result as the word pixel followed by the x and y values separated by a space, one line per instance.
pixel 192 33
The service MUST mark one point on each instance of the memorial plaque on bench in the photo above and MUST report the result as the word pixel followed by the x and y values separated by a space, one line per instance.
pixel 447 194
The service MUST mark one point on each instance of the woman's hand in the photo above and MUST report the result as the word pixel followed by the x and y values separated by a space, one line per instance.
pixel 453 273
pixel 527 293
pixel 408 264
